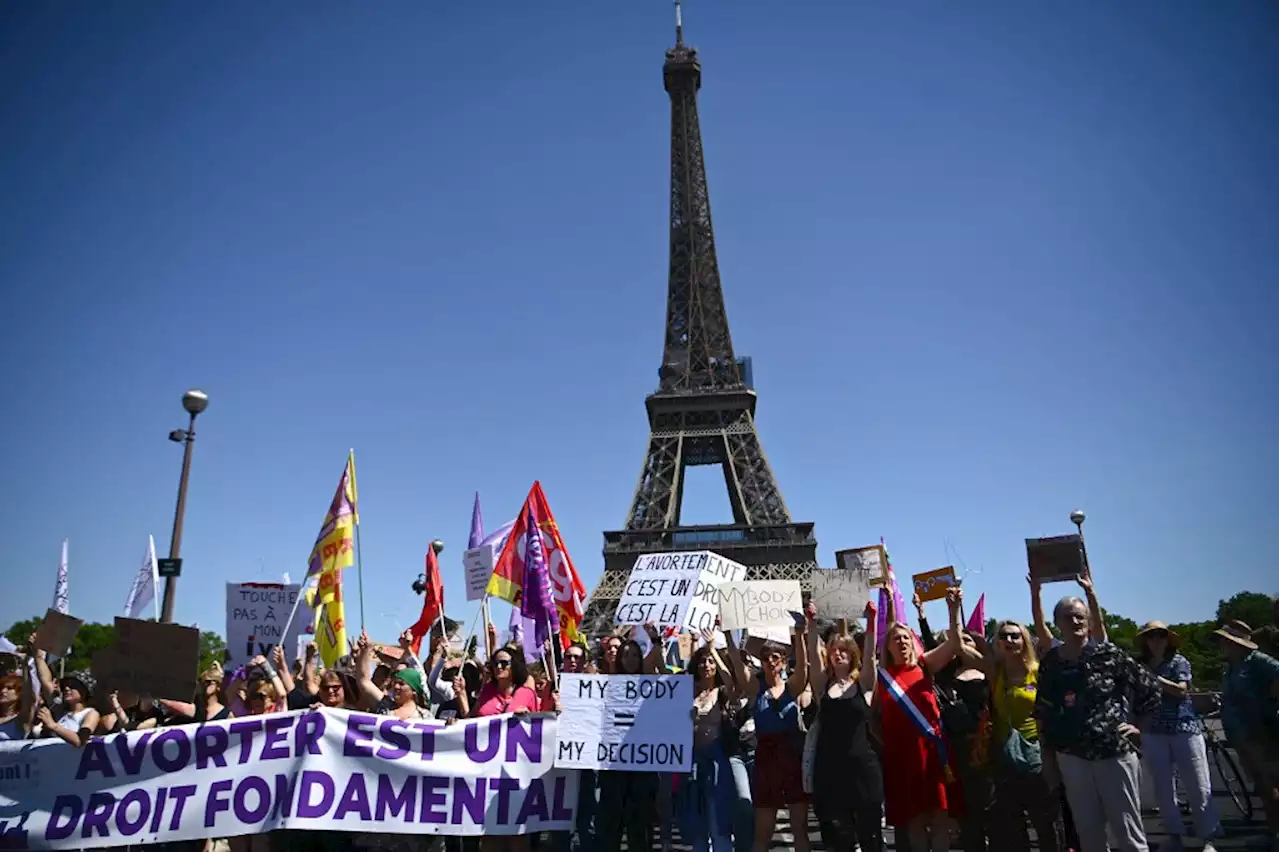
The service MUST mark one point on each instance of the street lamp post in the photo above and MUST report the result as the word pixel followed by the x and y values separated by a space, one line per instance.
pixel 1077 518
pixel 194 401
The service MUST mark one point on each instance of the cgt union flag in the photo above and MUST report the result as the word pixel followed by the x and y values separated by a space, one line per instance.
pixel 509 570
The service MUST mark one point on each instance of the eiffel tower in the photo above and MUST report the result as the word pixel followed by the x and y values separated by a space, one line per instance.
pixel 703 412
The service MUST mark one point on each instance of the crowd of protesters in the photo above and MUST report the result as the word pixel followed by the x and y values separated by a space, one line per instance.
pixel 946 737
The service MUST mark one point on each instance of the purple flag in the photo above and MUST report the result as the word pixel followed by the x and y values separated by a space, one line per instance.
pixel 536 602
pixel 477 525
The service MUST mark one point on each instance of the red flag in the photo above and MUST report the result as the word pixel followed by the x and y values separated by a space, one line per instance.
pixel 432 601
pixel 566 587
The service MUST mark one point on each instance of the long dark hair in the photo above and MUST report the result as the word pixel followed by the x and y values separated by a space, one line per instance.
pixel 519 669
pixel 628 644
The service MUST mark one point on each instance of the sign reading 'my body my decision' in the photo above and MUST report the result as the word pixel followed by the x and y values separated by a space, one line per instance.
pixel 256 616
pixel 325 770
pixel 630 723
pixel 759 603
pixel 676 589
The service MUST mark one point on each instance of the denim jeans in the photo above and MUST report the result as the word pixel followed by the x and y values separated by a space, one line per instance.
pixel 706 802
pixel 743 766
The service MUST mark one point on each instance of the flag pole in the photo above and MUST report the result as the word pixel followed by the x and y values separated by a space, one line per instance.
pixel 484 609
pixel 302 593
pixel 351 453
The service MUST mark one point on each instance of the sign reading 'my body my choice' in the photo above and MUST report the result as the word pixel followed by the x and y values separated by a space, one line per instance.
pixel 631 723
pixel 676 589
pixel 325 770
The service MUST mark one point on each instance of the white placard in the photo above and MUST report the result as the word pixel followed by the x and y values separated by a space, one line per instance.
pixel 676 589
pixel 759 603
pixel 478 563
pixel 628 723
pixel 256 615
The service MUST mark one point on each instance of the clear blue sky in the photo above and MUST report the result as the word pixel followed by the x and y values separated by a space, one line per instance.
pixel 993 261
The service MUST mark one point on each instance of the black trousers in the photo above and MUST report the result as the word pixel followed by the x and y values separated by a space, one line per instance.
pixel 628 805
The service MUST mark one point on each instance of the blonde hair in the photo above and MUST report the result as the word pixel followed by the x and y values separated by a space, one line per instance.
pixel 886 654
pixel 1028 654
pixel 844 642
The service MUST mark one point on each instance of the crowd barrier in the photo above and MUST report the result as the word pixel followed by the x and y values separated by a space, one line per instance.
pixel 326 770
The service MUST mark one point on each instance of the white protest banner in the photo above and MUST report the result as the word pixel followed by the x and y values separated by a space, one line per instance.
pixel 630 723
pixel 839 593
pixel 676 589
pixel 325 770
pixel 759 603
pixel 256 618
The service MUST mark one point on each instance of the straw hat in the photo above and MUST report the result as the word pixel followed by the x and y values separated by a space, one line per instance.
pixel 1238 632
pixel 1156 627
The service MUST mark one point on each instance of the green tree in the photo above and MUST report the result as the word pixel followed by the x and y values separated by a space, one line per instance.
pixel 212 649
pixel 1120 630
pixel 1253 608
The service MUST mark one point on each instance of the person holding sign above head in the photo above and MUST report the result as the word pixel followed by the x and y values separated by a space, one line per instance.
pixel 848 789
pixel 920 784
pixel 776 702
pixel 706 803
pixel 628 800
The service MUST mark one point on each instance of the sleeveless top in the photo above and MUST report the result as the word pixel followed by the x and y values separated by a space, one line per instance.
pixel 779 715
pixel 1012 707
pixel 12 730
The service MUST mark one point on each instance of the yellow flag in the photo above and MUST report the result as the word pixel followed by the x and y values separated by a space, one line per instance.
pixel 332 552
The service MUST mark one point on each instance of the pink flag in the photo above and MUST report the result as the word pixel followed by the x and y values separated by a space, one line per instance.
pixel 978 618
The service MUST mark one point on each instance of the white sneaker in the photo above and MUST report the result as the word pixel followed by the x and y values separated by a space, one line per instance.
pixel 1209 847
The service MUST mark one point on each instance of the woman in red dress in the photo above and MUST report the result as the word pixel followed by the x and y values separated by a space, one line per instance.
pixel 919 786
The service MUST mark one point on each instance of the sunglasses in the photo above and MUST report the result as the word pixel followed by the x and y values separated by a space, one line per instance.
pixel 1011 637
pixel 258 696
pixel 209 682
pixel 502 664
pixel 333 687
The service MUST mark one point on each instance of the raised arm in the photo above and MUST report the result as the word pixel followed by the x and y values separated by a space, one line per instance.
pixel 726 673
pixel 1043 635
pixel 746 684
pixel 364 671
pixel 799 680
pixel 1097 628
pixel 48 686
pixel 816 670
pixel 927 639
pixel 867 675
pixel 282 670
pixel 936 659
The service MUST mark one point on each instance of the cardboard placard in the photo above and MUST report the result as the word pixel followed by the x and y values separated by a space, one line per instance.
pixel 1057 558
pixel 933 585
pixel 759 603
pixel 157 659
pixel 840 594
pixel 56 632
pixel 625 723
pixel 759 639
pixel 676 589
pixel 869 561
pixel 256 616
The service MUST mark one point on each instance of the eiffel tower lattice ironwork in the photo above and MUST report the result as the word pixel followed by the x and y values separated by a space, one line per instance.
pixel 703 412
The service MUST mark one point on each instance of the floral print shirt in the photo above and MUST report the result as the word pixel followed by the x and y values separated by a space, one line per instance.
pixel 1175 714
pixel 1081 703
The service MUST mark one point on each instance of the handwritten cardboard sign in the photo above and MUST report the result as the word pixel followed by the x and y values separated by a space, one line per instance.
pixel 157 659
pixel 840 593
pixel 933 585
pixel 627 723
pixel 868 561
pixel 676 589
pixel 759 603
pixel 1057 558
pixel 56 632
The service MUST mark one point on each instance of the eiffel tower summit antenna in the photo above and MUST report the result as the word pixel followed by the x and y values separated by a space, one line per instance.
pixel 703 410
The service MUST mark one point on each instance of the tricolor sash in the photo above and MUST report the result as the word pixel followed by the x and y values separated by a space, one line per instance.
pixel 917 718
